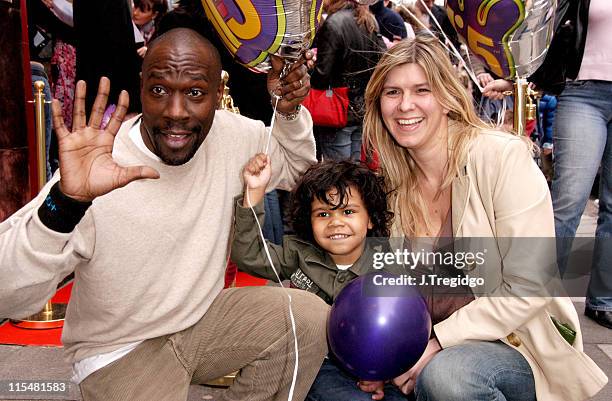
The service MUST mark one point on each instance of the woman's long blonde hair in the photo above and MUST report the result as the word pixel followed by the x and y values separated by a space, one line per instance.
pixel 398 167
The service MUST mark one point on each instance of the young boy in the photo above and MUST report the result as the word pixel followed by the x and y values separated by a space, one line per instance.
pixel 336 205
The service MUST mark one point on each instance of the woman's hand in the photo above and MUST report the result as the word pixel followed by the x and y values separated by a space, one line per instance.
pixel 377 388
pixel 484 78
pixel 495 89
pixel 407 381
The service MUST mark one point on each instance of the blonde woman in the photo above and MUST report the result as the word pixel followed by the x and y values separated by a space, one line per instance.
pixel 453 175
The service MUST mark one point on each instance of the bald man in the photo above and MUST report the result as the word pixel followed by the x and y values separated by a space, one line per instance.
pixel 148 315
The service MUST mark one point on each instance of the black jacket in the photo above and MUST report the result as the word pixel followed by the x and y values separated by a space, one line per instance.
pixel 567 48
pixel 346 56
pixel 442 18
pixel 106 48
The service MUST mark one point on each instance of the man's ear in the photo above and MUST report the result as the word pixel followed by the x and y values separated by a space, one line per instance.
pixel 370 225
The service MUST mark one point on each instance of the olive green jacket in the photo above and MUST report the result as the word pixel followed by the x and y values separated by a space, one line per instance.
pixel 305 265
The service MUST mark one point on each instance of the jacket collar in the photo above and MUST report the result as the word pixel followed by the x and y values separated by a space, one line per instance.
pixel 459 199
pixel 361 265
pixel 460 194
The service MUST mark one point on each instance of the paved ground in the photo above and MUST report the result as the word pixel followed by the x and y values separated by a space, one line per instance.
pixel 42 363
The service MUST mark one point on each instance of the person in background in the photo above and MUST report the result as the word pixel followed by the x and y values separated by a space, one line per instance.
pixel 348 47
pixel 106 48
pixel 55 19
pixel 390 23
pixel 409 21
pixel 547 109
pixel 422 7
pixel 146 15
pixel 578 65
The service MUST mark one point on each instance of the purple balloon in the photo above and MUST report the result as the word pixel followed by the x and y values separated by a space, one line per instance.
pixel 374 336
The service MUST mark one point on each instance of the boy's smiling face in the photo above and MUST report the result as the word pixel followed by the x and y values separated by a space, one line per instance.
pixel 341 231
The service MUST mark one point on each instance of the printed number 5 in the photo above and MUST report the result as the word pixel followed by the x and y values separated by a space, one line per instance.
pixel 475 39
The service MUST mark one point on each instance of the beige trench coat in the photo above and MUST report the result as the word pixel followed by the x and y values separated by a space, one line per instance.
pixel 502 194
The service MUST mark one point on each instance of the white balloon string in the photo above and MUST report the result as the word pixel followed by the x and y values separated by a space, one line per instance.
pixel 267 251
pixel 502 113
pixel 452 48
pixel 271 125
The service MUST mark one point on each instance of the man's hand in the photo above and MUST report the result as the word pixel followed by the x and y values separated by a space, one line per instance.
pixel 375 387
pixel 256 174
pixel 495 89
pixel 407 381
pixel 292 88
pixel 86 166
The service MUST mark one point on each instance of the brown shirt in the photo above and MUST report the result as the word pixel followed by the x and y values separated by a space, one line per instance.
pixel 442 300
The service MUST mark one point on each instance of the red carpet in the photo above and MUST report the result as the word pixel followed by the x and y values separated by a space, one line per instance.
pixel 246 280
pixel 12 335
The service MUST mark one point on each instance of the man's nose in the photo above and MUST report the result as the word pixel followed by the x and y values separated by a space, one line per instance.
pixel 176 109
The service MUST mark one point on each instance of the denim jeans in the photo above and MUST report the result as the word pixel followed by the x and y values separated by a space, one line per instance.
pixel 477 371
pixel 273 223
pixel 345 143
pixel 582 137
pixel 40 75
pixel 333 384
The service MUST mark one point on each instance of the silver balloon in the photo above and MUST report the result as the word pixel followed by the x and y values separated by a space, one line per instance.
pixel 511 36
pixel 529 43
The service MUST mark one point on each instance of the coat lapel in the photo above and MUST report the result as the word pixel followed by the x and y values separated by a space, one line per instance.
pixel 459 199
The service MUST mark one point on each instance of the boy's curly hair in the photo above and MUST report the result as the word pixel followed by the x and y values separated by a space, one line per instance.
pixel 339 175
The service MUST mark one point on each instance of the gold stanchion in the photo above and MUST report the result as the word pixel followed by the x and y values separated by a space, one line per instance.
pixel 227 103
pixel 52 316
pixel 524 104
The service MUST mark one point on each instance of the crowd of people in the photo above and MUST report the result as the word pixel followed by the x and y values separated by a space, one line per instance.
pixel 148 205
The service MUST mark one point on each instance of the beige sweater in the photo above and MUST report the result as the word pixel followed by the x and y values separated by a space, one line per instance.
pixel 148 258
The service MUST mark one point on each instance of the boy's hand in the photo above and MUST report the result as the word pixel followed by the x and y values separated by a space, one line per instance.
pixel 256 174
pixel 375 387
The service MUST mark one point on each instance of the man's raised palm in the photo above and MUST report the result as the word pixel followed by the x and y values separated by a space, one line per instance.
pixel 87 168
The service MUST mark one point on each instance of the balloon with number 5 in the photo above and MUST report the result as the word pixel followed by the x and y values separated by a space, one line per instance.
pixel 510 36
pixel 252 30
